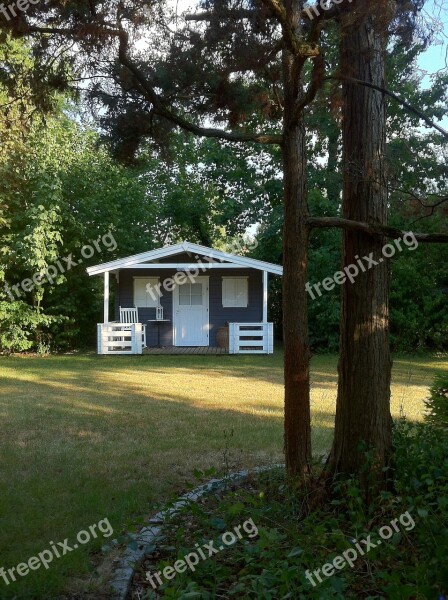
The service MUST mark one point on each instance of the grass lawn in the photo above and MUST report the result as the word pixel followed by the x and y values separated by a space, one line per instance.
pixel 85 438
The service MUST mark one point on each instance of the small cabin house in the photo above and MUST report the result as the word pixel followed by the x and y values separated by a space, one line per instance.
pixel 186 296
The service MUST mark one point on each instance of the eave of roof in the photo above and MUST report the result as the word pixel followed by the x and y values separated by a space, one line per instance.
pixel 128 262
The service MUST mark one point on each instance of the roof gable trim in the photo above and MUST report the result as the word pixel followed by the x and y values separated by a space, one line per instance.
pixel 152 255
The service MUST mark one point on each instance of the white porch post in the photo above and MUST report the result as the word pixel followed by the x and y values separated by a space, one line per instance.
pixel 106 297
pixel 265 296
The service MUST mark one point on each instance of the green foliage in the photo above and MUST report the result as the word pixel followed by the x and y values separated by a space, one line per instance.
pixel 418 300
pixel 421 465
pixel 293 539
pixel 437 403
pixel 60 188
pixel 417 170
pixel 20 327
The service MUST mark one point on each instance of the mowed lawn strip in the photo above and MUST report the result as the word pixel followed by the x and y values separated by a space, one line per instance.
pixel 87 437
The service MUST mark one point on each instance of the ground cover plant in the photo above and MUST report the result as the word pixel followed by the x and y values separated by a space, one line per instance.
pixel 394 547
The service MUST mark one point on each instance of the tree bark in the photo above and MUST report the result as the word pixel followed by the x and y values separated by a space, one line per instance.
pixel 295 264
pixel 363 420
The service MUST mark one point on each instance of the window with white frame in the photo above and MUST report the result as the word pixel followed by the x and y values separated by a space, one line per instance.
pixel 235 292
pixel 190 294
pixel 146 292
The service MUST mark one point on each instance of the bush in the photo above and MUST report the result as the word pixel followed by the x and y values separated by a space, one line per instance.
pixel 20 327
pixel 437 403
pixel 421 463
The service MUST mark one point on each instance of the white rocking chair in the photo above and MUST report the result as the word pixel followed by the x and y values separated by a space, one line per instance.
pixel 130 315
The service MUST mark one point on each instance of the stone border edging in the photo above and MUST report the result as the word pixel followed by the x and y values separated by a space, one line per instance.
pixel 123 574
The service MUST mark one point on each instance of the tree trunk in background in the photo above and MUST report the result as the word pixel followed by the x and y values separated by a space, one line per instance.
pixel 295 263
pixel 363 403
pixel 331 176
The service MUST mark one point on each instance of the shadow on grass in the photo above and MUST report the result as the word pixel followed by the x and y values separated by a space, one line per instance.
pixel 406 370
pixel 80 443
pixel 84 437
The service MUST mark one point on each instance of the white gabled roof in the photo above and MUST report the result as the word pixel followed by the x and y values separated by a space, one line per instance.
pixel 128 262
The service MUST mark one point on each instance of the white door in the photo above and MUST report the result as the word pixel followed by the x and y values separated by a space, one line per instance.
pixel 191 322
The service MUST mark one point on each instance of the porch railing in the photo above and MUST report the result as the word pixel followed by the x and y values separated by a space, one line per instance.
pixel 251 338
pixel 120 338
pixel 129 338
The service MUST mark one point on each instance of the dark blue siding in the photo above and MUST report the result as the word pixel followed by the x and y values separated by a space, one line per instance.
pixel 218 315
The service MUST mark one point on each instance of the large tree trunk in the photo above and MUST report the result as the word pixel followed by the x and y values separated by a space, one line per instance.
pixel 363 419
pixel 295 262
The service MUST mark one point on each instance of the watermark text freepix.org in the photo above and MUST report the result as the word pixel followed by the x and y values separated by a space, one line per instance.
pixel 51 272
pixel 10 10
pixel 203 552
pixel 362 265
pixel 58 550
pixel 190 274
pixel 324 5
pixel 350 555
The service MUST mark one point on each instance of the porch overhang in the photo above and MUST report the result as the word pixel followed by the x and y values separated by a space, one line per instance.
pixel 215 259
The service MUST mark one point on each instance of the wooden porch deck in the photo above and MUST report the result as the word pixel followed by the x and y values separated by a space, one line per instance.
pixel 185 350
